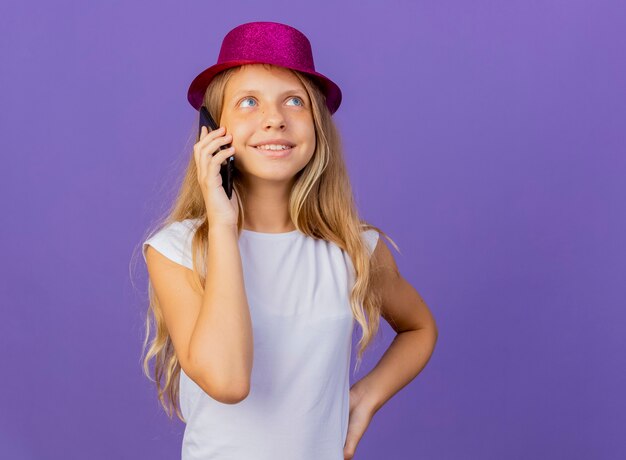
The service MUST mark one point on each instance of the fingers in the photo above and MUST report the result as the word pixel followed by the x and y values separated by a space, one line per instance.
pixel 209 167
pixel 207 156
pixel 217 160
pixel 211 141
pixel 206 136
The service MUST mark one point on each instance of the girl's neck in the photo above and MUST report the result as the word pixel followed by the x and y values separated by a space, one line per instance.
pixel 267 208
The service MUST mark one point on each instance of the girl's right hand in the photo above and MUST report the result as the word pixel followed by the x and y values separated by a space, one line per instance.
pixel 220 210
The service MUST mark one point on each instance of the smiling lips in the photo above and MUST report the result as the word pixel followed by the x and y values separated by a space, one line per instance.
pixel 273 147
pixel 277 142
pixel 276 152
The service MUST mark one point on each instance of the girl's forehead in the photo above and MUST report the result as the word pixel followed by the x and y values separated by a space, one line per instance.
pixel 256 78
pixel 251 73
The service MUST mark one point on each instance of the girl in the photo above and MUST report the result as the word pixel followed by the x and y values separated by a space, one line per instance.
pixel 253 298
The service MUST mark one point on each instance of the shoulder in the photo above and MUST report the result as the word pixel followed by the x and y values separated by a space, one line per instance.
pixel 384 261
pixel 370 236
pixel 173 240
pixel 381 257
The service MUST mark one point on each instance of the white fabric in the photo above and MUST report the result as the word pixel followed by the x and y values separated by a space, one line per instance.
pixel 298 294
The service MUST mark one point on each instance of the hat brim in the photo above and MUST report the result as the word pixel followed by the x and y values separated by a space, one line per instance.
pixel 195 93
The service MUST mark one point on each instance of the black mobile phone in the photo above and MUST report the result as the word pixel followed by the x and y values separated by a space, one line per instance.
pixel 226 170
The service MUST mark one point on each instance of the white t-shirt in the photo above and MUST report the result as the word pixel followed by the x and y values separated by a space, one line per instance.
pixel 298 293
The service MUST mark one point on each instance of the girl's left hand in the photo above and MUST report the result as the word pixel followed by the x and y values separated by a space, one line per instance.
pixel 361 414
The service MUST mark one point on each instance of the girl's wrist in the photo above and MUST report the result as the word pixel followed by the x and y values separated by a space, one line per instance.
pixel 220 228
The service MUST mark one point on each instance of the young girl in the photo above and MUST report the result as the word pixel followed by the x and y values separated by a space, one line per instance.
pixel 254 298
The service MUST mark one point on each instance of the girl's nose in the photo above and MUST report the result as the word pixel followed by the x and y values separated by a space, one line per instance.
pixel 275 123
pixel 274 118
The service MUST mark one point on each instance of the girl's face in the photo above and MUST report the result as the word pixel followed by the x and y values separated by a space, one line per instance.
pixel 262 106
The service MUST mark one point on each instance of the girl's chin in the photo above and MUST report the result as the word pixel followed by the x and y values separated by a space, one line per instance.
pixel 264 171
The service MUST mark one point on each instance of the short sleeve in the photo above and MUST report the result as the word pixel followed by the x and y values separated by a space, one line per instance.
pixel 371 238
pixel 174 242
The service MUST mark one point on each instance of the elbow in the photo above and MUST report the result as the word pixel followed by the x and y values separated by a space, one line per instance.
pixel 224 392
pixel 431 332
pixel 229 394
pixel 434 330
pixel 233 396
pixel 221 385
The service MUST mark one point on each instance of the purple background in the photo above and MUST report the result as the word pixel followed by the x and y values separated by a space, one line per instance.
pixel 486 138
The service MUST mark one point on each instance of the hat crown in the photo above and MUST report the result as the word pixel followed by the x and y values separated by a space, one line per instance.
pixel 271 42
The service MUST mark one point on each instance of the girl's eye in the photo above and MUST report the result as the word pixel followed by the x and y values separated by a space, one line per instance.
pixel 248 99
pixel 296 97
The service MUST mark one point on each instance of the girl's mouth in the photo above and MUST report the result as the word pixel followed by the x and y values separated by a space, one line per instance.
pixel 274 153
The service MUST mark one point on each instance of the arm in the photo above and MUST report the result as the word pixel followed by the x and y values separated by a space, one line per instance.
pixel 221 342
pixel 211 333
pixel 409 316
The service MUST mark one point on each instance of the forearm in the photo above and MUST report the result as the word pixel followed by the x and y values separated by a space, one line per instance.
pixel 221 343
pixel 405 358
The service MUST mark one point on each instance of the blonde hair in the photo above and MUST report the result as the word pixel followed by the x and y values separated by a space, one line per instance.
pixel 321 205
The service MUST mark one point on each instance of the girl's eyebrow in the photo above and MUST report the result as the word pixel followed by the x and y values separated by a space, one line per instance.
pixel 254 91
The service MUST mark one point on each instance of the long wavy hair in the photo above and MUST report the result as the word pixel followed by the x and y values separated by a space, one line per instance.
pixel 321 205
